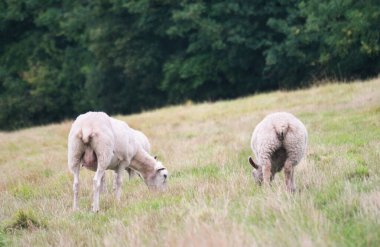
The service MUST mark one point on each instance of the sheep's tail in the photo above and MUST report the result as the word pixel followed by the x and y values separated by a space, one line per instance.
pixel 281 131
pixel 86 134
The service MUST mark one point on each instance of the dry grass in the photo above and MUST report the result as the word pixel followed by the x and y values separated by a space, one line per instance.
pixel 211 200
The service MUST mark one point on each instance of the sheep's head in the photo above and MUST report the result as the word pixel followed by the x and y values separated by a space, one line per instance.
pixel 158 179
pixel 257 171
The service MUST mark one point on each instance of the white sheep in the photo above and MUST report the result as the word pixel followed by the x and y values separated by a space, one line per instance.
pixel 100 142
pixel 278 141
pixel 142 140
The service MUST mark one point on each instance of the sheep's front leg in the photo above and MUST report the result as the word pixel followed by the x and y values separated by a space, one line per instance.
pixel 118 182
pixel 114 181
pixel 96 188
pixel 131 173
pixel 289 176
pixel 267 172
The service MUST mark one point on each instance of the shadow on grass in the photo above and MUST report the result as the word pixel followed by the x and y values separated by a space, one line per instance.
pixel 24 220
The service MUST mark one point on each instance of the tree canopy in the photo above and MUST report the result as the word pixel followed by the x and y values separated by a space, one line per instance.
pixel 62 58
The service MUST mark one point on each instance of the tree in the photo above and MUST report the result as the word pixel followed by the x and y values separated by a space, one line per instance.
pixel 338 39
pixel 62 58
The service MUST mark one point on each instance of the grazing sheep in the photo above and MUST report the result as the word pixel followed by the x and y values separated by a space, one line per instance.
pixel 100 142
pixel 142 140
pixel 278 141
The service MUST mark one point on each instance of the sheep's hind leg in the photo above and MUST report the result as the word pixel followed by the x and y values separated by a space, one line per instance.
pixel 267 172
pixel 104 160
pixel 289 176
pixel 96 188
pixel 75 170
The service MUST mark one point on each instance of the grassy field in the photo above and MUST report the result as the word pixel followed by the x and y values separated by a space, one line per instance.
pixel 211 199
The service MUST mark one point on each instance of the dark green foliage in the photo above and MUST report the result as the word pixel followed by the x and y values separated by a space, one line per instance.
pixel 62 58
pixel 338 39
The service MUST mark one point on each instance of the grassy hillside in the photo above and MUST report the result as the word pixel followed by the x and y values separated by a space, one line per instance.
pixel 211 200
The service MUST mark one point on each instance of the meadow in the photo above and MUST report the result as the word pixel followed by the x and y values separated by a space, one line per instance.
pixel 211 199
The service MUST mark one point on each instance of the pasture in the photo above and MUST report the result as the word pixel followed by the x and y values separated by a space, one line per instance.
pixel 211 198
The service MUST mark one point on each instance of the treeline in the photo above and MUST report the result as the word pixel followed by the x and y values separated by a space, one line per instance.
pixel 61 58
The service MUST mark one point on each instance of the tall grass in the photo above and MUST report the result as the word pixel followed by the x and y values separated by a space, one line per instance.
pixel 211 200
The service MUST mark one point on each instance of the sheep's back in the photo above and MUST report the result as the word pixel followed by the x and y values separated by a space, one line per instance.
pixel 296 140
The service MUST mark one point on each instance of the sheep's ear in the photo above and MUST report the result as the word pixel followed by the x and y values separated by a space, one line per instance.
pixel 253 163
pixel 155 157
